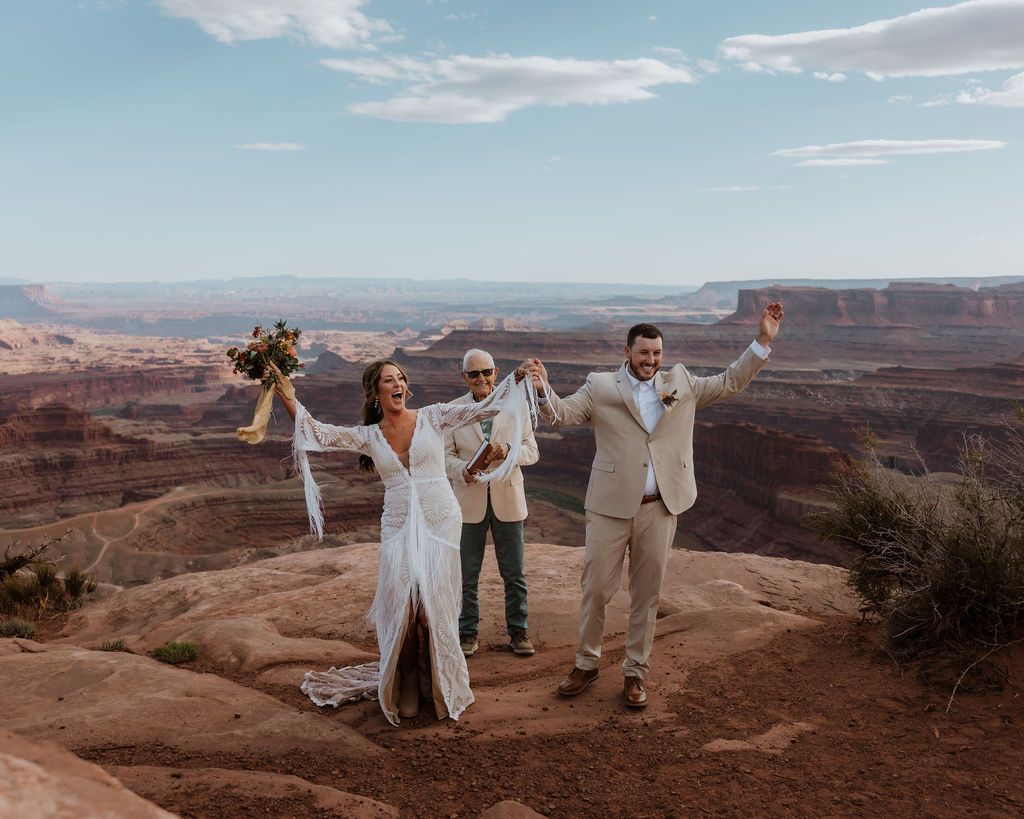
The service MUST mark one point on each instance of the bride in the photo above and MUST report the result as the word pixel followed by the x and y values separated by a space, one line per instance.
pixel 419 586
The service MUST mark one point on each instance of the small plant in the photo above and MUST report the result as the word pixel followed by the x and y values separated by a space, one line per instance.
pixel 176 653
pixel 17 628
pixel 112 645
pixel 77 583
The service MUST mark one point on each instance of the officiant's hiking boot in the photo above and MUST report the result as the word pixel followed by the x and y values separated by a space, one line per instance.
pixel 521 643
pixel 633 693
pixel 577 680
pixel 469 644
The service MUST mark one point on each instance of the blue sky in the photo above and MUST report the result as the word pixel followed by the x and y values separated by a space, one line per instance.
pixel 641 141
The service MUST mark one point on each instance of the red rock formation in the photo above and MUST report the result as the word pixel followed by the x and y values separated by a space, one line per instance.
pixel 56 461
pixel 99 387
pixel 27 302
pixel 929 306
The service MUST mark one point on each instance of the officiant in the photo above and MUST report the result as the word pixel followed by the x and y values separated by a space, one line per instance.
pixel 499 506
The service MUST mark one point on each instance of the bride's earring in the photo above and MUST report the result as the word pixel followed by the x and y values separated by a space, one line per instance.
pixel 376 404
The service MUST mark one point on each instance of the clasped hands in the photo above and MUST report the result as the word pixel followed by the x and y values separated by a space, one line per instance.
pixel 533 368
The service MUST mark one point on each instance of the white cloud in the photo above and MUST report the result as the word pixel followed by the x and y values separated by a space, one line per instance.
pixel 1012 95
pixel 977 35
pixel 899 98
pixel 331 23
pixel 823 163
pixel 272 146
pixel 824 75
pixel 393 68
pixel 891 147
pixel 555 158
pixel 463 89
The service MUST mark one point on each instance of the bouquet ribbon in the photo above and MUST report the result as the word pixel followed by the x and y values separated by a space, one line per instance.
pixel 255 432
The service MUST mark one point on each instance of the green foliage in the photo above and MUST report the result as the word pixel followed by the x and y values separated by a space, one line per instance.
pixel 112 645
pixel 17 628
pixel 176 653
pixel 942 567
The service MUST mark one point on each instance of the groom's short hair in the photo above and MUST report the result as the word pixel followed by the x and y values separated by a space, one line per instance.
pixel 643 330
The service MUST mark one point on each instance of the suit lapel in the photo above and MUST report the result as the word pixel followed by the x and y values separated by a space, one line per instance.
pixel 626 393
pixel 660 387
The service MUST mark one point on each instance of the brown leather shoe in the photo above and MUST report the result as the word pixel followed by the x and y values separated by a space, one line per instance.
pixel 633 693
pixel 577 680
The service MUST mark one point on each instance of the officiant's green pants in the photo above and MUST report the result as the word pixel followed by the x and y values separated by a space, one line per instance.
pixel 508 549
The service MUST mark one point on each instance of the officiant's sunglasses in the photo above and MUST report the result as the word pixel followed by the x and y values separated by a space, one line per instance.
pixel 476 373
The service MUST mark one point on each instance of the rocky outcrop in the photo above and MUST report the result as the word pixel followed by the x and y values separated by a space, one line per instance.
pixel 16 337
pixel 27 302
pixel 98 387
pixel 56 461
pixel 232 735
pixel 42 779
pixel 929 306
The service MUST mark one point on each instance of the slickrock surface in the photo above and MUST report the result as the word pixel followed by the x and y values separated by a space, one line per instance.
pixel 767 697
pixel 41 779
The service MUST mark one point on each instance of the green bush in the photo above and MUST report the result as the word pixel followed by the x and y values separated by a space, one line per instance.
pixel 176 653
pixel 112 645
pixel 17 628
pixel 943 567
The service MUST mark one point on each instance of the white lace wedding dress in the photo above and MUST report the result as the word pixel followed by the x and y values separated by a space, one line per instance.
pixel 420 529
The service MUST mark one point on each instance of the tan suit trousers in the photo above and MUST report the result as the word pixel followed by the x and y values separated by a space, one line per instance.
pixel 648 537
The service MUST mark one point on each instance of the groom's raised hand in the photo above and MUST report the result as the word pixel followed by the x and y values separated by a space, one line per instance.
pixel 771 318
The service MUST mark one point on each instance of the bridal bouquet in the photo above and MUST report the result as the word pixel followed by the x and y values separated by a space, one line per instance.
pixel 275 347
pixel 267 347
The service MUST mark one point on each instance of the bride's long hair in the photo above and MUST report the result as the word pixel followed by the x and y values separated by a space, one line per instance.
pixel 371 406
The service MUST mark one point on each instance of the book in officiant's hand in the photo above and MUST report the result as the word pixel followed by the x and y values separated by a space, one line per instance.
pixel 476 463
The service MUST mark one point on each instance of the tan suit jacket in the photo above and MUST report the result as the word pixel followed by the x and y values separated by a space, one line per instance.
pixel 619 471
pixel 508 500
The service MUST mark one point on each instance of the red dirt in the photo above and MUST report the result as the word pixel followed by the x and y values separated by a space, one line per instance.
pixel 854 735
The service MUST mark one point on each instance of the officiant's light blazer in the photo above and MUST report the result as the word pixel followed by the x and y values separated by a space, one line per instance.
pixel 624 446
pixel 508 498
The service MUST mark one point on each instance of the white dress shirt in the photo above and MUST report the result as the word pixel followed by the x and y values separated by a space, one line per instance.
pixel 651 409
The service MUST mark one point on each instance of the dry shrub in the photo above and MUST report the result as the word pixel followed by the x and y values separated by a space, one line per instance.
pixel 30 585
pixel 17 628
pixel 942 567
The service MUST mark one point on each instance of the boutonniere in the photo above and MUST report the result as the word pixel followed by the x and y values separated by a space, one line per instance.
pixel 669 399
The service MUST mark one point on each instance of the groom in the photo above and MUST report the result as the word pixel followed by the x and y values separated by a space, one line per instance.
pixel 641 478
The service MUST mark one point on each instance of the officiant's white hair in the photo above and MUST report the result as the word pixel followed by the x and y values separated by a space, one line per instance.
pixel 470 353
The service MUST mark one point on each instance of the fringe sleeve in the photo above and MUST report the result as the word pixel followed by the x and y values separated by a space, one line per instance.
pixel 314 436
